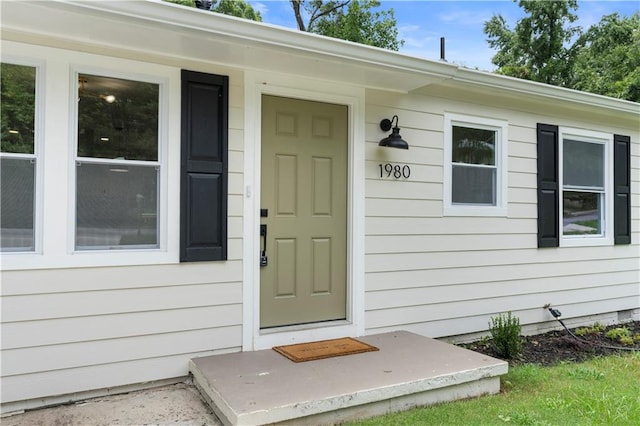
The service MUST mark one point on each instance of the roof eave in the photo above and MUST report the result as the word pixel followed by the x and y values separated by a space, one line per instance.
pixel 311 55
pixel 545 91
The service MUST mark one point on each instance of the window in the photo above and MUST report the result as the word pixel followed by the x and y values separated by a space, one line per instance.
pixel 117 164
pixel 87 175
pixel 583 187
pixel 18 158
pixel 475 166
pixel 585 200
pixel 581 201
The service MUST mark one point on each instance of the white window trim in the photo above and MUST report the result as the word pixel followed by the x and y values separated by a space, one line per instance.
pixel 161 161
pixel 607 210
pixel 501 127
pixel 57 174
pixel 37 155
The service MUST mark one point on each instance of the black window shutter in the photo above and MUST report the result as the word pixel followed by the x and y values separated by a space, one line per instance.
pixel 622 189
pixel 203 186
pixel 548 186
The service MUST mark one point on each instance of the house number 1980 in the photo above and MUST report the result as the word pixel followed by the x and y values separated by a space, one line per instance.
pixel 395 171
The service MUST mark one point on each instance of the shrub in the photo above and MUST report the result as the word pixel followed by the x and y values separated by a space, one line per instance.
pixel 582 331
pixel 618 333
pixel 594 329
pixel 505 330
pixel 626 340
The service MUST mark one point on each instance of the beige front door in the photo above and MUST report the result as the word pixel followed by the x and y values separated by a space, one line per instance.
pixel 304 209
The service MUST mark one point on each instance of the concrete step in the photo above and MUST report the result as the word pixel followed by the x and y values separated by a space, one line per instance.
pixel 409 370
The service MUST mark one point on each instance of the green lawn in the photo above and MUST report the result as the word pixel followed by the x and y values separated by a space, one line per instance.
pixel 602 391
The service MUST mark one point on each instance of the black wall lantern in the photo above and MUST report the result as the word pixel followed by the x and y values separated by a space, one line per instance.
pixel 394 140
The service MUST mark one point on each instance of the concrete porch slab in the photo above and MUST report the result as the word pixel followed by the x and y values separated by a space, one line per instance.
pixel 264 387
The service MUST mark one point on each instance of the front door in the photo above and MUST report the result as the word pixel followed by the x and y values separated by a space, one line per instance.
pixel 303 277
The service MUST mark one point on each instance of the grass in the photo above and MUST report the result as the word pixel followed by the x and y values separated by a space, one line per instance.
pixel 602 391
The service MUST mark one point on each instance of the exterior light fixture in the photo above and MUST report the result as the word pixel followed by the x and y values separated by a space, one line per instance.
pixel 394 140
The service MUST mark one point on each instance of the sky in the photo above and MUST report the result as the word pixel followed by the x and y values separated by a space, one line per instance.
pixel 421 23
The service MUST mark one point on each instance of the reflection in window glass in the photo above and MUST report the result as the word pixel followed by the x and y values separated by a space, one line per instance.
pixel 116 205
pixel 117 167
pixel 474 146
pixel 117 118
pixel 583 174
pixel 18 158
pixel 473 169
pixel 17 204
pixel 17 108
pixel 581 213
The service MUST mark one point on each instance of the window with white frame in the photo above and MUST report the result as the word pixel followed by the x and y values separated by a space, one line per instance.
pixel 18 158
pixel 585 200
pixel 117 163
pixel 475 165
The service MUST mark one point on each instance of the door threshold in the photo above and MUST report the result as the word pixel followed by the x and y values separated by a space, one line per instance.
pixel 303 333
pixel 301 327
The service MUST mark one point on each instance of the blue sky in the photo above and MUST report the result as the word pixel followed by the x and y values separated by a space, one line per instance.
pixel 421 23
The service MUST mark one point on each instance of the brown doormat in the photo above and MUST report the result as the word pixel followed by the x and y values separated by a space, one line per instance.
pixel 301 352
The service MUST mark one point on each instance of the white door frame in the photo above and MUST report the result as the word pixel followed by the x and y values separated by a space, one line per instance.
pixel 255 85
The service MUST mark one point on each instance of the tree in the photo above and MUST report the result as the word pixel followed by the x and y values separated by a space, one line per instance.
pixel 536 49
pixel 604 60
pixel 238 8
pixel 352 20
pixel 314 9
pixel 607 58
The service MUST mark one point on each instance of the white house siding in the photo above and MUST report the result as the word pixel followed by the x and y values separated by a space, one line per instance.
pixel 446 276
pixel 70 326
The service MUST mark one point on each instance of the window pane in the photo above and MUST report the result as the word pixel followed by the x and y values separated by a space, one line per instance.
pixel 17 108
pixel 473 185
pixel 17 186
pixel 581 213
pixel 116 206
pixel 117 118
pixel 474 146
pixel 583 164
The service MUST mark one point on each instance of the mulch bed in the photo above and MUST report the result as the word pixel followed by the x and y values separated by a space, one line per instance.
pixel 559 346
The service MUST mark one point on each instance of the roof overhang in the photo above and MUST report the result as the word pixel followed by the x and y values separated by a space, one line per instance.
pixel 145 27
pixel 163 32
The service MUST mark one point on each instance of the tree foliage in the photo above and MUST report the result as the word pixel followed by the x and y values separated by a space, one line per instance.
pixel 238 8
pixel 536 49
pixel 352 20
pixel 545 47
pixel 607 58
pixel 314 10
